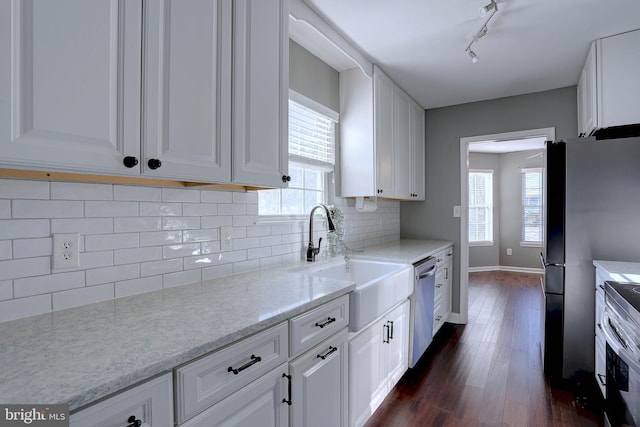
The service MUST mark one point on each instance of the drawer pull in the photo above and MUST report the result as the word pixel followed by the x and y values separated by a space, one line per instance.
pixel 287 401
pixel 386 341
pixel 254 359
pixel 133 421
pixel 326 322
pixel 390 322
pixel 603 382
pixel 331 350
pixel 601 287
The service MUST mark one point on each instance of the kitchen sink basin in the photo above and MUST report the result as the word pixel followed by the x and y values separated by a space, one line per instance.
pixel 379 286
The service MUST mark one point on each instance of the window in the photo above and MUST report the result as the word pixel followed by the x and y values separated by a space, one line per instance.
pixel 481 207
pixel 532 207
pixel 311 159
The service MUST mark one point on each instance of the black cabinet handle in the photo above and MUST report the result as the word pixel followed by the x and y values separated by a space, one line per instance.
pixel 286 178
pixel 133 422
pixel 329 352
pixel 287 401
pixel 603 382
pixel 130 161
pixel 326 322
pixel 390 322
pixel 386 341
pixel 254 359
pixel 154 163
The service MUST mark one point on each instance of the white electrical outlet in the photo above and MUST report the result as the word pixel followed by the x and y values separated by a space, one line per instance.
pixel 226 237
pixel 509 251
pixel 66 250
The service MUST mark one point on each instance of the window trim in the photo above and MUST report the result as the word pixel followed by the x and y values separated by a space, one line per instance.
pixel 492 231
pixel 530 243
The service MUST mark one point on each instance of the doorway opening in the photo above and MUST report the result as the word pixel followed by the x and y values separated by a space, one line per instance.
pixel 533 142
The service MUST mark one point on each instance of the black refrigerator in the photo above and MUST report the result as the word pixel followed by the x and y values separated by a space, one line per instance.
pixel 592 212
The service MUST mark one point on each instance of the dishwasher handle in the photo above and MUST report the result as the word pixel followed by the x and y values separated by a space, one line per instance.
pixel 427 273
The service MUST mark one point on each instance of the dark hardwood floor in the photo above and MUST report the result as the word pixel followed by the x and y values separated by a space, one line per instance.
pixel 488 372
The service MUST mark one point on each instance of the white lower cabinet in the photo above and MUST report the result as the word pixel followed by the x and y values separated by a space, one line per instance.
pixel 151 403
pixel 378 357
pixel 319 384
pixel 442 294
pixel 258 404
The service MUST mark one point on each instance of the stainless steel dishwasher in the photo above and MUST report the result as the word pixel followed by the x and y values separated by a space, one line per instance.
pixel 422 307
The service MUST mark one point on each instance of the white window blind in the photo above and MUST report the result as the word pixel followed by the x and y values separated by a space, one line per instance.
pixel 481 206
pixel 532 206
pixel 311 159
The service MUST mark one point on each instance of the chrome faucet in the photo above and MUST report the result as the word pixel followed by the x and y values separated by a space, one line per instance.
pixel 311 250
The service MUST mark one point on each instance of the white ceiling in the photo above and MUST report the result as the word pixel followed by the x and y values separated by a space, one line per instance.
pixel 531 46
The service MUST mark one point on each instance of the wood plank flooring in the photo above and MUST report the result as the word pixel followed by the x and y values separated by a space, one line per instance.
pixel 488 372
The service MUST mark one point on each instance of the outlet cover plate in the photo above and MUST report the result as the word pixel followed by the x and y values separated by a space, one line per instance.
pixel 66 250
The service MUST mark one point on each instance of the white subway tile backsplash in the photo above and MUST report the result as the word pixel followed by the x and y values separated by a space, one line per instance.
pixel 81 191
pixel 23 307
pixel 23 228
pixel 82 225
pixel 6 289
pixel 101 242
pixel 15 268
pixel 98 276
pixel 22 189
pixel 135 239
pixel 153 268
pixel 47 209
pixel 133 193
pixel 137 255
pixel 160 209
pixel 214 196
pixel 47 284
pixel 27 248
pixel 139 224
pixel 138 286
pixel 5 209
pixel 82 296
pixel 180 195
pixel 155 238
pixel 5 250
pixel 110 209
pixel 170 280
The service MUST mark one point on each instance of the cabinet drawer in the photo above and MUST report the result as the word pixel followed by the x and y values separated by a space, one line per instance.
pixel 150 402
pixel 210 379
pixel 444 256
pixel 310 328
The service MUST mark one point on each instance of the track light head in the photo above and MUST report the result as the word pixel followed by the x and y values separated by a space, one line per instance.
pixel 484 10
pixel 473 56
pixel 481 33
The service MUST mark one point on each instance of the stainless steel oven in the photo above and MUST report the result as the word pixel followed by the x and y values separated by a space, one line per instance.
pixel 621 327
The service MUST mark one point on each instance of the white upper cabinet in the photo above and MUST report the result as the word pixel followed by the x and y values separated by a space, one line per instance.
pixel 609 88
pixel 115 88
pixel 260 92
pixel 382 155
pixel 187 90
pixel 70 84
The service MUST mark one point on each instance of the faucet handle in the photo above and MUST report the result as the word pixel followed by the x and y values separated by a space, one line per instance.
pixel 317 250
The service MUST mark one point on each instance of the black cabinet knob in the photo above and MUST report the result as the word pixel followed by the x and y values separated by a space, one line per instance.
pixel 133 421
pixel 130 161
pixel 286 178
pixel 154 163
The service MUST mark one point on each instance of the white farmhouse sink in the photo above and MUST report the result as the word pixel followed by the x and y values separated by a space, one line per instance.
pixel 379 286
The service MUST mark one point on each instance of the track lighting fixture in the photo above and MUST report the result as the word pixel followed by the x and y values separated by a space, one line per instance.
pixel 486 11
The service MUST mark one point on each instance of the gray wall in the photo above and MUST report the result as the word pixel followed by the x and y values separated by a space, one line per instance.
pixel 484 256
pixel 312 77
pixel 433 218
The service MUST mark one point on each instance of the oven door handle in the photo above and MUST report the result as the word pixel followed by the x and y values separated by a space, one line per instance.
pixel 617 344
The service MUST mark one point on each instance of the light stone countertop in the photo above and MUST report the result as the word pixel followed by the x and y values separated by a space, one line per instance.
pixel 79 355
pixel 83 354
pixel 620 271
pixel 403 251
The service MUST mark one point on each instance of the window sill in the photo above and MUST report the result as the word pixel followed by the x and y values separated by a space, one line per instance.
pixel 279 219
pixel 531 244
pixel 480 244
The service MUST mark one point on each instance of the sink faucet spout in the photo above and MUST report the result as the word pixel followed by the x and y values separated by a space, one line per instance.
pixel 311 250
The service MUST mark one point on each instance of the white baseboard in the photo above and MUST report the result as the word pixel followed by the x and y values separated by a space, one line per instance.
pixel 455 318
pixel 507 268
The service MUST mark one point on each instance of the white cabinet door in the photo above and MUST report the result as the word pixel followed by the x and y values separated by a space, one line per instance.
pixel 397 350
pixel 319 385
pixel 589 93
pixel 70 84
pixel 367 377
pixel 258 404
pixel 403 145
pixel 383 95
pixel 187 90
pixel 418 152
pixel 260 92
